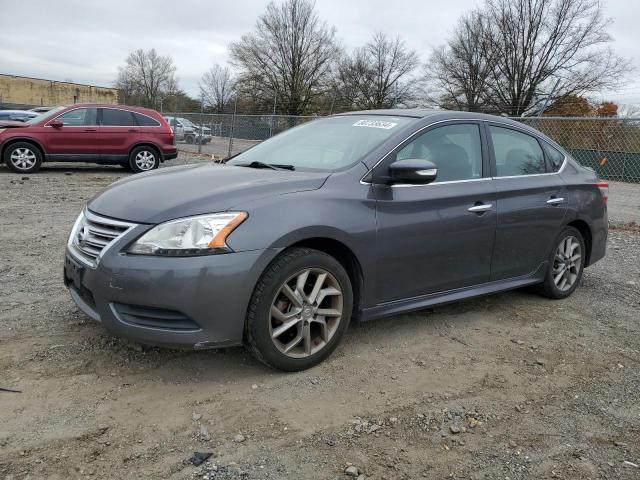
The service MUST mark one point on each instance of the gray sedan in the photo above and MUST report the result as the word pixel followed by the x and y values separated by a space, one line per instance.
pixel 355 216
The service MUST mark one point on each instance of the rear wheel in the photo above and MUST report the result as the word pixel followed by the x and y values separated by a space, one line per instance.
pixel 565 265
pixel 300 310
pixel 143 159
pixel 23 157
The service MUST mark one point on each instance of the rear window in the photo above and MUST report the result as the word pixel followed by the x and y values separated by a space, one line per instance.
pixel 516 153
pixel 145 121
pixel 117 118
pixel 555 157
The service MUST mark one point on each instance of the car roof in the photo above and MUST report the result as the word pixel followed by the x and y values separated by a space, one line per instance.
pixel 111 105
pixel 442 115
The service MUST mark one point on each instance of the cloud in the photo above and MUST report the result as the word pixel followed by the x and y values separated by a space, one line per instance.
pixel 87 41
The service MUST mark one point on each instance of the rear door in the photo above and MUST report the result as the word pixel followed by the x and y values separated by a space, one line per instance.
pixel 531 202
pixel 118 133
pixel 76 139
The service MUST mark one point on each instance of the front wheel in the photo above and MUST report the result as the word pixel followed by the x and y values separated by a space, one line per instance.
pixel 23 157
pixel 143 159
pixel 299 310
pixel 565 265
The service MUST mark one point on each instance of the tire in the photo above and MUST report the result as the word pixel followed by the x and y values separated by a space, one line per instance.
pixel 143 159
pixel 307 315
pixel 23 157
pixel 562 267
pixel 190 139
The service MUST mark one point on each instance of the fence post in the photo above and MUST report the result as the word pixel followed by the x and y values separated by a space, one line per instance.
pixel 273 115
pixel 201 127
pixel 175 129
pixel 233 124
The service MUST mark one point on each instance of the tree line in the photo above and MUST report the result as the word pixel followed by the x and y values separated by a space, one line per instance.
pixel 514 57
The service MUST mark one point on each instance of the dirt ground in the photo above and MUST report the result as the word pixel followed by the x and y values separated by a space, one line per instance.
pixel 509 386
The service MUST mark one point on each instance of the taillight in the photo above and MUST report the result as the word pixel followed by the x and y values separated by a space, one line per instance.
pixel 604 190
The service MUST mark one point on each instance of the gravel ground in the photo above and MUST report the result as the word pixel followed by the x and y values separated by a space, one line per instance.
pixel 509 386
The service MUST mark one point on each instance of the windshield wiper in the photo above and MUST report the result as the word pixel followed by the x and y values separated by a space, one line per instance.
pixel 272 166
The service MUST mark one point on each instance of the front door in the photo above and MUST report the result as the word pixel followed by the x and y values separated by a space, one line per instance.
pixel 531 203
pixel 440 236
pixel 76 139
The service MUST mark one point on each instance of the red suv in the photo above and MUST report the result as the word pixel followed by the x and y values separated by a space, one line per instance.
pixel 136 138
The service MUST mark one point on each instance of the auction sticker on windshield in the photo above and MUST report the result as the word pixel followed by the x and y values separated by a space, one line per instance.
pixel 375 124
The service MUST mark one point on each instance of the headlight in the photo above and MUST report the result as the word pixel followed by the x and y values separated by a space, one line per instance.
pixel 201 235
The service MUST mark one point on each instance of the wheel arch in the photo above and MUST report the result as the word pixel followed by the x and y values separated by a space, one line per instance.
pixel 347 258
pixel 12 140
pixel 148 144
pixel 585 230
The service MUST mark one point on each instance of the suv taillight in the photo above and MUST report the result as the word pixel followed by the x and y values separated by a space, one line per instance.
pixel 604 190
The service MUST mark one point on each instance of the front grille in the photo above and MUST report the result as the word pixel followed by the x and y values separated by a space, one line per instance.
pixel 93 234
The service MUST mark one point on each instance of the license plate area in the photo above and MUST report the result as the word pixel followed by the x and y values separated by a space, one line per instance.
pixel 73 273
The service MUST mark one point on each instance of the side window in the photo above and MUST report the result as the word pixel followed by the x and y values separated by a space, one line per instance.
pixel 556 158
pixel 455 149
pixel 516 153
pixel 117 118
pixel 79 117
pixel 145 121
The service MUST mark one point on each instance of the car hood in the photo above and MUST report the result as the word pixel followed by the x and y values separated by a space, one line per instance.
pixel 11 124
pixel 187 190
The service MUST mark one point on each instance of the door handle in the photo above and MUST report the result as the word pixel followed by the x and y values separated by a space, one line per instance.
pixel 555 201
pixel 90 130
pixel 134 130
pixel 480 208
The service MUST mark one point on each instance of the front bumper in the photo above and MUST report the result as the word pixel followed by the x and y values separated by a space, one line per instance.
pixel 191 302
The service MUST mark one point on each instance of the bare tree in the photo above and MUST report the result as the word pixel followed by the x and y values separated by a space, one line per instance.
pixel 216 87
pixel 377 75
pixel 630 110
pixel 459 72
pixel 146 77
pixel 291 51
pixel 530 46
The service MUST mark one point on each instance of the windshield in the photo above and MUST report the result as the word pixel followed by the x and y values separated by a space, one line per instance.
pixel 44 116
pixel 325 145
pixel 186 122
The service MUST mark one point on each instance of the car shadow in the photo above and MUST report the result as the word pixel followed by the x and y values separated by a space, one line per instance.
pixel 69 167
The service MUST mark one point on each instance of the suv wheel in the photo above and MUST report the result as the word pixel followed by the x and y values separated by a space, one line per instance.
pixel 23 157
pixel 190 139
pixel 565 265
pixel 299 311
pixel 143 159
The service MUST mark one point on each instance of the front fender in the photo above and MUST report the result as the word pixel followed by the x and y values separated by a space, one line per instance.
pixel 20 138
pixel 341 210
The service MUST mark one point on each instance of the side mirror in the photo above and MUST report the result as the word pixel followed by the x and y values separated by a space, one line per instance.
pixel 411 172
pixel 56 123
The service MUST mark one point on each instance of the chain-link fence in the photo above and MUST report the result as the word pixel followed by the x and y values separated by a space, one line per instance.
pixel 610 146
pixel 223 135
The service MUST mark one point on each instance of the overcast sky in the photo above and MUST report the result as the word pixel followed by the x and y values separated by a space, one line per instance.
pixel 85 41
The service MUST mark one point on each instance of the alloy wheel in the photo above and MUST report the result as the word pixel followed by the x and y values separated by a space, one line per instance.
pixel 567 263
pixel 23 158
pixel 306 312
pixel 145 160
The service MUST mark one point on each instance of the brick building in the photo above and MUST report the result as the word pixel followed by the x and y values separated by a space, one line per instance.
pixel 18 92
